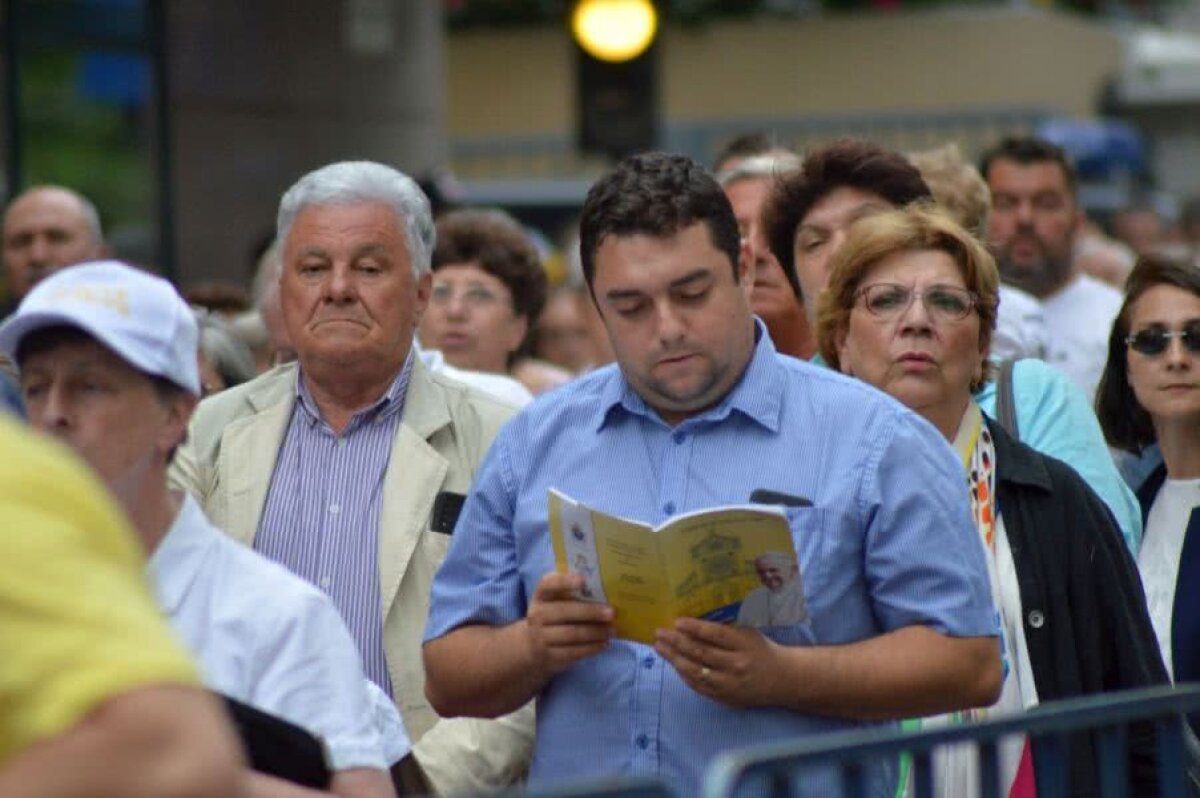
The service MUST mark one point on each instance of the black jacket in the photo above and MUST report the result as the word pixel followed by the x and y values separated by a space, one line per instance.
pixel 1085 618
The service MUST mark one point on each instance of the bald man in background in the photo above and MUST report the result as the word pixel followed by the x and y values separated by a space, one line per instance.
pixel 45 229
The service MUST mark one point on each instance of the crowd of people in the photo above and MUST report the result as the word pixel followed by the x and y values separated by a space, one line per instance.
pixel 302 544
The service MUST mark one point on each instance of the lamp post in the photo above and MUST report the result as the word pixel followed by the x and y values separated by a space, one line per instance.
pixel 617 86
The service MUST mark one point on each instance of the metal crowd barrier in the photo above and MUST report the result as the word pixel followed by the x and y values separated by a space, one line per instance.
pixel 605 788
pixel 782 766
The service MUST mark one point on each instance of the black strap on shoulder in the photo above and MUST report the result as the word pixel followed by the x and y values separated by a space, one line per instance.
pixel 279 748
pixel 1006 410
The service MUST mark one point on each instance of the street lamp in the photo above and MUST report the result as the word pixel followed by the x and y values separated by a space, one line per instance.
pixel 617 84
pixel 614 30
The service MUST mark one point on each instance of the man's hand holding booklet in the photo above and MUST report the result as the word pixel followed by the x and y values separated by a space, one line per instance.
pixel 725 564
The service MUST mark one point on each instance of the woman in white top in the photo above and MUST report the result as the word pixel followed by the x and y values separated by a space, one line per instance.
pixel 1150 393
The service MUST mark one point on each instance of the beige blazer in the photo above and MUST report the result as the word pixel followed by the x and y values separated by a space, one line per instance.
pixel 227 463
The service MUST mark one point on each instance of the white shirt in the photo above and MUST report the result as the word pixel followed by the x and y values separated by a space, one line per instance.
pixel 1078 320
pixel 1020 326
pixel 956 768
pixel 502 387
pixel 1158 559
pixel 267 638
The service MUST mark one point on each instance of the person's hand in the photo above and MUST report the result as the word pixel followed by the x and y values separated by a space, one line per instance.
pixel 562 629
pixel 734 665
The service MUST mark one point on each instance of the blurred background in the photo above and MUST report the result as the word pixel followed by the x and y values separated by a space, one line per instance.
pixel 184 120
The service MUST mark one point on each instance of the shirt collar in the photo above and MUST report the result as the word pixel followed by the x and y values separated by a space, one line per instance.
pixel 390 403
pixel 175 564
pixel 758 394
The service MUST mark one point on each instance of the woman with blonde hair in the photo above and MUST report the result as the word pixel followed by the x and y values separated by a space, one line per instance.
pixel 911 308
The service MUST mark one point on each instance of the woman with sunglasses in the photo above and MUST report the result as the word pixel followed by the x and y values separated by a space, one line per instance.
pixel 911 308
pixel 1150 394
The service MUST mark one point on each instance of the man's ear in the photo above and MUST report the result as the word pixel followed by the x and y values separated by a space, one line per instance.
pixel 179 409
pixel 745 267
pixel 424 289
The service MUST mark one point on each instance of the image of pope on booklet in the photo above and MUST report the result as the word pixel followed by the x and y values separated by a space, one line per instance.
pixel 734 563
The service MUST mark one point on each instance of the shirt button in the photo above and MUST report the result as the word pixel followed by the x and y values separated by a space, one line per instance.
pixel 643 742
pixel 334 509
pixel 669 508
pixel 1036 619
pixel 324 583
pixel 679 437
pixel 648 663
pixel 341 443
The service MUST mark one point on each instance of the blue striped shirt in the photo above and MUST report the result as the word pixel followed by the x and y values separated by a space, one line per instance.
pixel 321 518
pixel 888 542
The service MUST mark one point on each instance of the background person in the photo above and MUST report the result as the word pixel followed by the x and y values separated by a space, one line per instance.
pixel 560 335
pixel 488 291
pixel 225 360
pixel 1150 394
pixel 807 218
pixel 45 229
pixel 748 184
pixel 910 309
pixel 1032 228
pixel 348 467
pixel 959 189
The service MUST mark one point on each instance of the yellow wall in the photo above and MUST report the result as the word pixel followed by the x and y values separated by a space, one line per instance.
pixel 521 83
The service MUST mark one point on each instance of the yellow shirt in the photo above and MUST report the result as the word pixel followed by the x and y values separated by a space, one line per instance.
pixel 78 624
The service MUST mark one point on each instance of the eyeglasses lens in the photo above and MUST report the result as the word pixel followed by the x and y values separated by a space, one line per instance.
pixel 887 301
pixel 1155 340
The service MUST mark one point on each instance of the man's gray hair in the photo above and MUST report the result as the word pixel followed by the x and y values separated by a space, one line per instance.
pixel 772 164
pixel 228 354
pixel 352 182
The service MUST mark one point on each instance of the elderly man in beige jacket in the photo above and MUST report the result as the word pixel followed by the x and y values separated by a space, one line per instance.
pixel 350 466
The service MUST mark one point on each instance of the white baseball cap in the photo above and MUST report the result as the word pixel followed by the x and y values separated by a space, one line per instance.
pixel 139 316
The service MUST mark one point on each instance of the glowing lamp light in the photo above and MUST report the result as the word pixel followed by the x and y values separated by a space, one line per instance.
pixel 614 30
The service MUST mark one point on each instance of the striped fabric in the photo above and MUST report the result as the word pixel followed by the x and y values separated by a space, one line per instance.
pixel 321 518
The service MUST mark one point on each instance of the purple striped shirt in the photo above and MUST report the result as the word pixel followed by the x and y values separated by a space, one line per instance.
pixel 321 518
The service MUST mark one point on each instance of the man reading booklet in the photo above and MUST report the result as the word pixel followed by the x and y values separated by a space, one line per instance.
pixel 700 411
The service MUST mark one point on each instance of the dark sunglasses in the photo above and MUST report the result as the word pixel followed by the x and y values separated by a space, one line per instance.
pixel 1155 340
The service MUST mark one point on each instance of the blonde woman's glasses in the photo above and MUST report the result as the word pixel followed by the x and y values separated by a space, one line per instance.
pixel 889 301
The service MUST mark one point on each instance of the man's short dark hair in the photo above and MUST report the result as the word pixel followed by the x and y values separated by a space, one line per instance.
pixel 1027 150
pixel 852 163
pixel 656 194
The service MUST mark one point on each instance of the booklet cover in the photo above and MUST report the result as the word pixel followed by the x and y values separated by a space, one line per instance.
pixel 728 564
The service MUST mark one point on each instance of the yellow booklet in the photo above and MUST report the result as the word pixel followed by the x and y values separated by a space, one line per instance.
pixel 726 564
